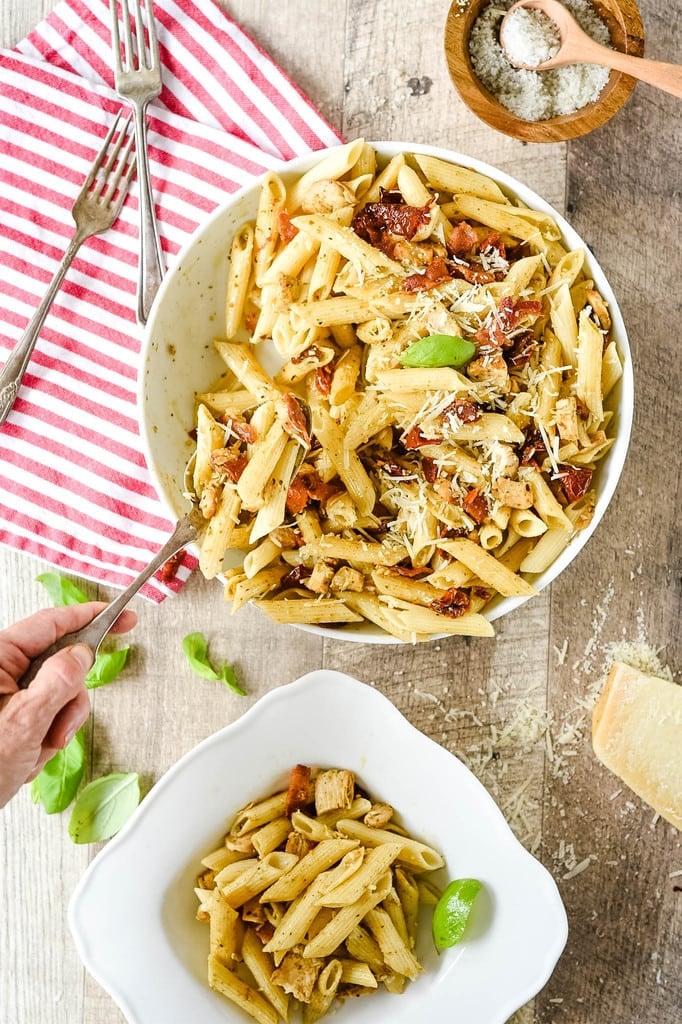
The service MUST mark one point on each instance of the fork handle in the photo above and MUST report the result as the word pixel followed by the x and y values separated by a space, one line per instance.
pixel 18 359
pixel 151 259
pixel 93 634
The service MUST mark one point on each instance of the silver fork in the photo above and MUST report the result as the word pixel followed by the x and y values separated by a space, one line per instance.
pixel 97 206
pixel 138 82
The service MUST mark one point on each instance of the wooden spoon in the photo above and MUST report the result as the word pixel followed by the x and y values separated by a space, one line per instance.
pixel 577 47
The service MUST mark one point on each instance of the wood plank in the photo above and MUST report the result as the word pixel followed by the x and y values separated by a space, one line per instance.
pixel 499 704
pixel 624 909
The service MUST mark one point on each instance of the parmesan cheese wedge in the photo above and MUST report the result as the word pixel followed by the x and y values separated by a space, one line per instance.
pixel 637 734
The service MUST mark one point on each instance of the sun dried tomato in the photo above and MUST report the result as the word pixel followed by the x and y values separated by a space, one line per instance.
pixel 169 569
pixel 298 793
pixel 429 469
pixel 462 239
pixel 225 461
pixel 415 439
pixel 296 576
pixel 413 572
pixel 287 231
pixel 375 219
pixel 241 429
pixel 311 352
pixel 295 424
pixel 390 195
pixel 465 410
pixel 297 496
pixel 381 512
pixel 534 451
pixel 575 481
pixel 511 311
pixel 518 252
pixel 307 486
pixel 318 489
pixel 436 273
pixel 525 345
pixel 394 469
pixel 450 532
pixel 265 931
pixel 473 274
pixel 323 378
pixel 476 505
pixel 453 603
pixel 494 242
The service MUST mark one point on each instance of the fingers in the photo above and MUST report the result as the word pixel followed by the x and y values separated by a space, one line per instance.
pixel 35 722
pixel 33 635
pixel 125 622
pixel 67 722
pixel 58 682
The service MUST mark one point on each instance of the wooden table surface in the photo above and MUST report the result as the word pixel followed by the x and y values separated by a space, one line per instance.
pixel 377 69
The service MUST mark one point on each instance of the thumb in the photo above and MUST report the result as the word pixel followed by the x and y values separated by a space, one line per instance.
pixel 58 681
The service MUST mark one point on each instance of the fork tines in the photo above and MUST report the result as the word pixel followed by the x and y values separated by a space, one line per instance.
pixel 106 183
pixel 134 45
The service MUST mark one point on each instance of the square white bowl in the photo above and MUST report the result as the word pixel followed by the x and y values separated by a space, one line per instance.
pixel 179 359
pixel 133 913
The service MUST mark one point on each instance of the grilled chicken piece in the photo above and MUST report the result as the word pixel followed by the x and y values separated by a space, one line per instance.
pixel 334 790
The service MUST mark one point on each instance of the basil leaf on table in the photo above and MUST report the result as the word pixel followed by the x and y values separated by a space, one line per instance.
pixel 451 913
pixel 58 782
pixel 195 647
pixel 229 677
pixel 104 806
pixel 438 350
pixel 108 665
pixel 61 590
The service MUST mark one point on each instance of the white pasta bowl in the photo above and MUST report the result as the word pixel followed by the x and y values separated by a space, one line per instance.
pixel 179 360
pixel 133 913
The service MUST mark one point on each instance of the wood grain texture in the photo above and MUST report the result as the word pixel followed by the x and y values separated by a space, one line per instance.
pixel 381 72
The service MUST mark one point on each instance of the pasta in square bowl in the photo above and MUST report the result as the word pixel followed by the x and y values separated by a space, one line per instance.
pixel 134 913
pixel 409 389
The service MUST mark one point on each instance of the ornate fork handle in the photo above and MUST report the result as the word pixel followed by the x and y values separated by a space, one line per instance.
pixel 184 533
pixel 18 359
pixel 151 268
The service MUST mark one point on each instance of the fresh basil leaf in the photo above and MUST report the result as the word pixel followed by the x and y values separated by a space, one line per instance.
pixel 195 647
pixel 58 782
pixel 106 668
pixel 438 350
pixel 61 590
pixel 452 911
pixel 104 806
pixel 229 677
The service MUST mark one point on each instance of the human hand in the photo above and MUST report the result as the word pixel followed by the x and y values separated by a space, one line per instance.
pixel 37 722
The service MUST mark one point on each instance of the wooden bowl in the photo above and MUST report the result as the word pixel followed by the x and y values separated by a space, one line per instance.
pixel 624 23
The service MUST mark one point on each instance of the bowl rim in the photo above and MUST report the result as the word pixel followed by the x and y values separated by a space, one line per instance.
pixel 367 632
pixel 326 693
pixel 625 23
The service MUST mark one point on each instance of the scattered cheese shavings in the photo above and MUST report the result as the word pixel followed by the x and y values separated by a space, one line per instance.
pixel 579 868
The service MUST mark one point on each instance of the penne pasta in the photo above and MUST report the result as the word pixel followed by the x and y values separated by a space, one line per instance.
pixel 444 372
pixel 339 919
pixel 238 278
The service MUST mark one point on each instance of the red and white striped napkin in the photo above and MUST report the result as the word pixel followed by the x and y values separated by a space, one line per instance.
pixel 74 488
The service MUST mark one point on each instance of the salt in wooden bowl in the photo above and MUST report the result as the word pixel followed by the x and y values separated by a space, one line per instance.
pixel 624 23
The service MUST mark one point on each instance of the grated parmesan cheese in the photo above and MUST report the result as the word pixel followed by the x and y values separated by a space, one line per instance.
pixel 536 95
pixel 516 744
